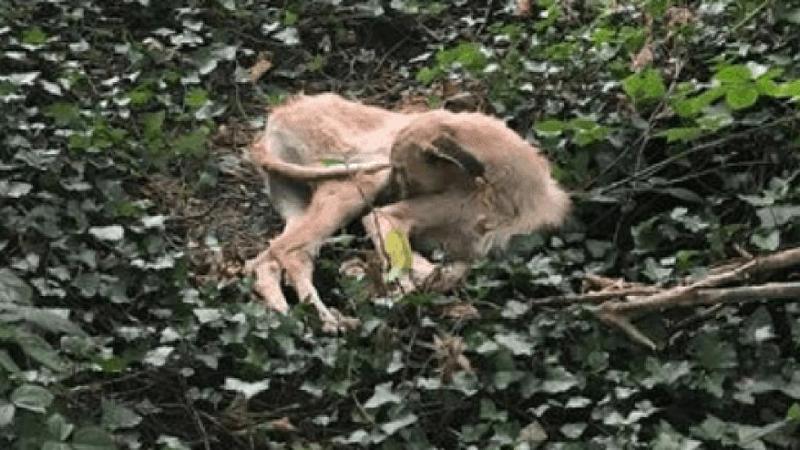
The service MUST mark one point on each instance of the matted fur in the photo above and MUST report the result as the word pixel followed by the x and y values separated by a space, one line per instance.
pixel 463 179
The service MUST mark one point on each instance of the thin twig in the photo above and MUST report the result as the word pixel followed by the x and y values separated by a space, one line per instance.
pixel 594 297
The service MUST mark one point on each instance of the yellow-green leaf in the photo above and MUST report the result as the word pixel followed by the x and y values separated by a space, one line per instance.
pixel 399 250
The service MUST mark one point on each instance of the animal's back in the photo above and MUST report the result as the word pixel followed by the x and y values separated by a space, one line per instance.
pixel 327 126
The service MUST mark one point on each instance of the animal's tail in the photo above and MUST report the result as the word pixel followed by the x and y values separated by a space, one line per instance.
pixel 260 155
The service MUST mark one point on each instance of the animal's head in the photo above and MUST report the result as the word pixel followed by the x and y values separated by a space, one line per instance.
pixel 427 158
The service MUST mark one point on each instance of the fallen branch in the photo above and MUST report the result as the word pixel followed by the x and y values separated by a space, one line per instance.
pixel 595 297
pixel 701 292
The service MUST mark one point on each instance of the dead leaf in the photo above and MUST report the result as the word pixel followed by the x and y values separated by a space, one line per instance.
pixel 450 354
pixel 262 66
pixel 642 59
pixel 282 424
pixel 460 311
pixel 677 16
pixel 523 8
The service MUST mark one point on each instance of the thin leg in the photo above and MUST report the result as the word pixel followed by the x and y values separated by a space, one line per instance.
pixel 414 217
pixel 332 205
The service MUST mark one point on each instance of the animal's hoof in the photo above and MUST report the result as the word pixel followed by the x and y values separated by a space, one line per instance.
pixel 337 322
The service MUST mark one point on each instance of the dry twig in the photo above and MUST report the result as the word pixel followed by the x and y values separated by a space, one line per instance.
pixel 705 291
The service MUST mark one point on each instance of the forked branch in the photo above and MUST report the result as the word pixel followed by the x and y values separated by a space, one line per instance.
pixel 621 307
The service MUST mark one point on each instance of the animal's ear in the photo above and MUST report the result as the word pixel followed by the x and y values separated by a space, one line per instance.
pixel 447 148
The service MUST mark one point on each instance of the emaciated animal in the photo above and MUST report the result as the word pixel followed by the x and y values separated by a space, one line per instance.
pixel 464 180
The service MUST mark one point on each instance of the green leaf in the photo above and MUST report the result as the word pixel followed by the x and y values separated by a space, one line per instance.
pixel 559 380
pixel 230 5
pixel 58 427
pixel 682 134
pixel 644 86
pixel 427 75
pixel 108 233
pixel 13 289
pixel 92 438
pixel 733 74
pixel 152 124
pixel 158 356
pixel 116 416
pixel 766 240
pixel 14 189
pixel 8 364
pixel 63 114
pixel 467 54
pixel 793 413
pixel 196 97
pixel 192 143
pixel 741 95
pixel 549 128
pixel 693 106
pixel 39 350
pixel 7 411
pixel 788 89
pixel 382 395
pixel 777 216
pixel 53 445
pixel 713 353
pixel 517 343
pixel 395 425
pixel 34 36
pixel 32 397
pixel 573 430
pixel 47 320
pixel 140 95
pixel 249 390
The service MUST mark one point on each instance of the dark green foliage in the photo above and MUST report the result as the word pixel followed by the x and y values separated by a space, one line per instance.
pixel 119 329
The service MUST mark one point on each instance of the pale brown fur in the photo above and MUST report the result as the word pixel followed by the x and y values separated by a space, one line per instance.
pixel 465 180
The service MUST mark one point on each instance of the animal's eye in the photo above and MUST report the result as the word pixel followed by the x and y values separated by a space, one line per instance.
pixel 431 158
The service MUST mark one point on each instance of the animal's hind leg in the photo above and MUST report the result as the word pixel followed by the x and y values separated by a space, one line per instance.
pixel 332 205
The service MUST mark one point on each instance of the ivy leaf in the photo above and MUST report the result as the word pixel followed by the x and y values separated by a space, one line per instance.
pixel 382 395
pixel 517 343
pixel 394 426
pixel 646 85
pixel 58 427
pixel 7 411
pixel 682 134
pixel 31 397
pixel 206 315
pixel 116 416
pixel 108 233
pixel 192 143
pixel 713 353
pixel 768 240
pixel 196 97
pixel 64 114
pixel 34 36
pixel 92 438
pixel 793 413
pixel 249 390
pixel 14 189
pixel 777 216
pixel 549 128
pixel 733 74
pixel 13 289
pixel 741 95
pixel 158 356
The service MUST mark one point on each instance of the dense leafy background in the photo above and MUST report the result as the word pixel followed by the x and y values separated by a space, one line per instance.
pixel 125 209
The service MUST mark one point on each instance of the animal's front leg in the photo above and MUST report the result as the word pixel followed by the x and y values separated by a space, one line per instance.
pixel 414 217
